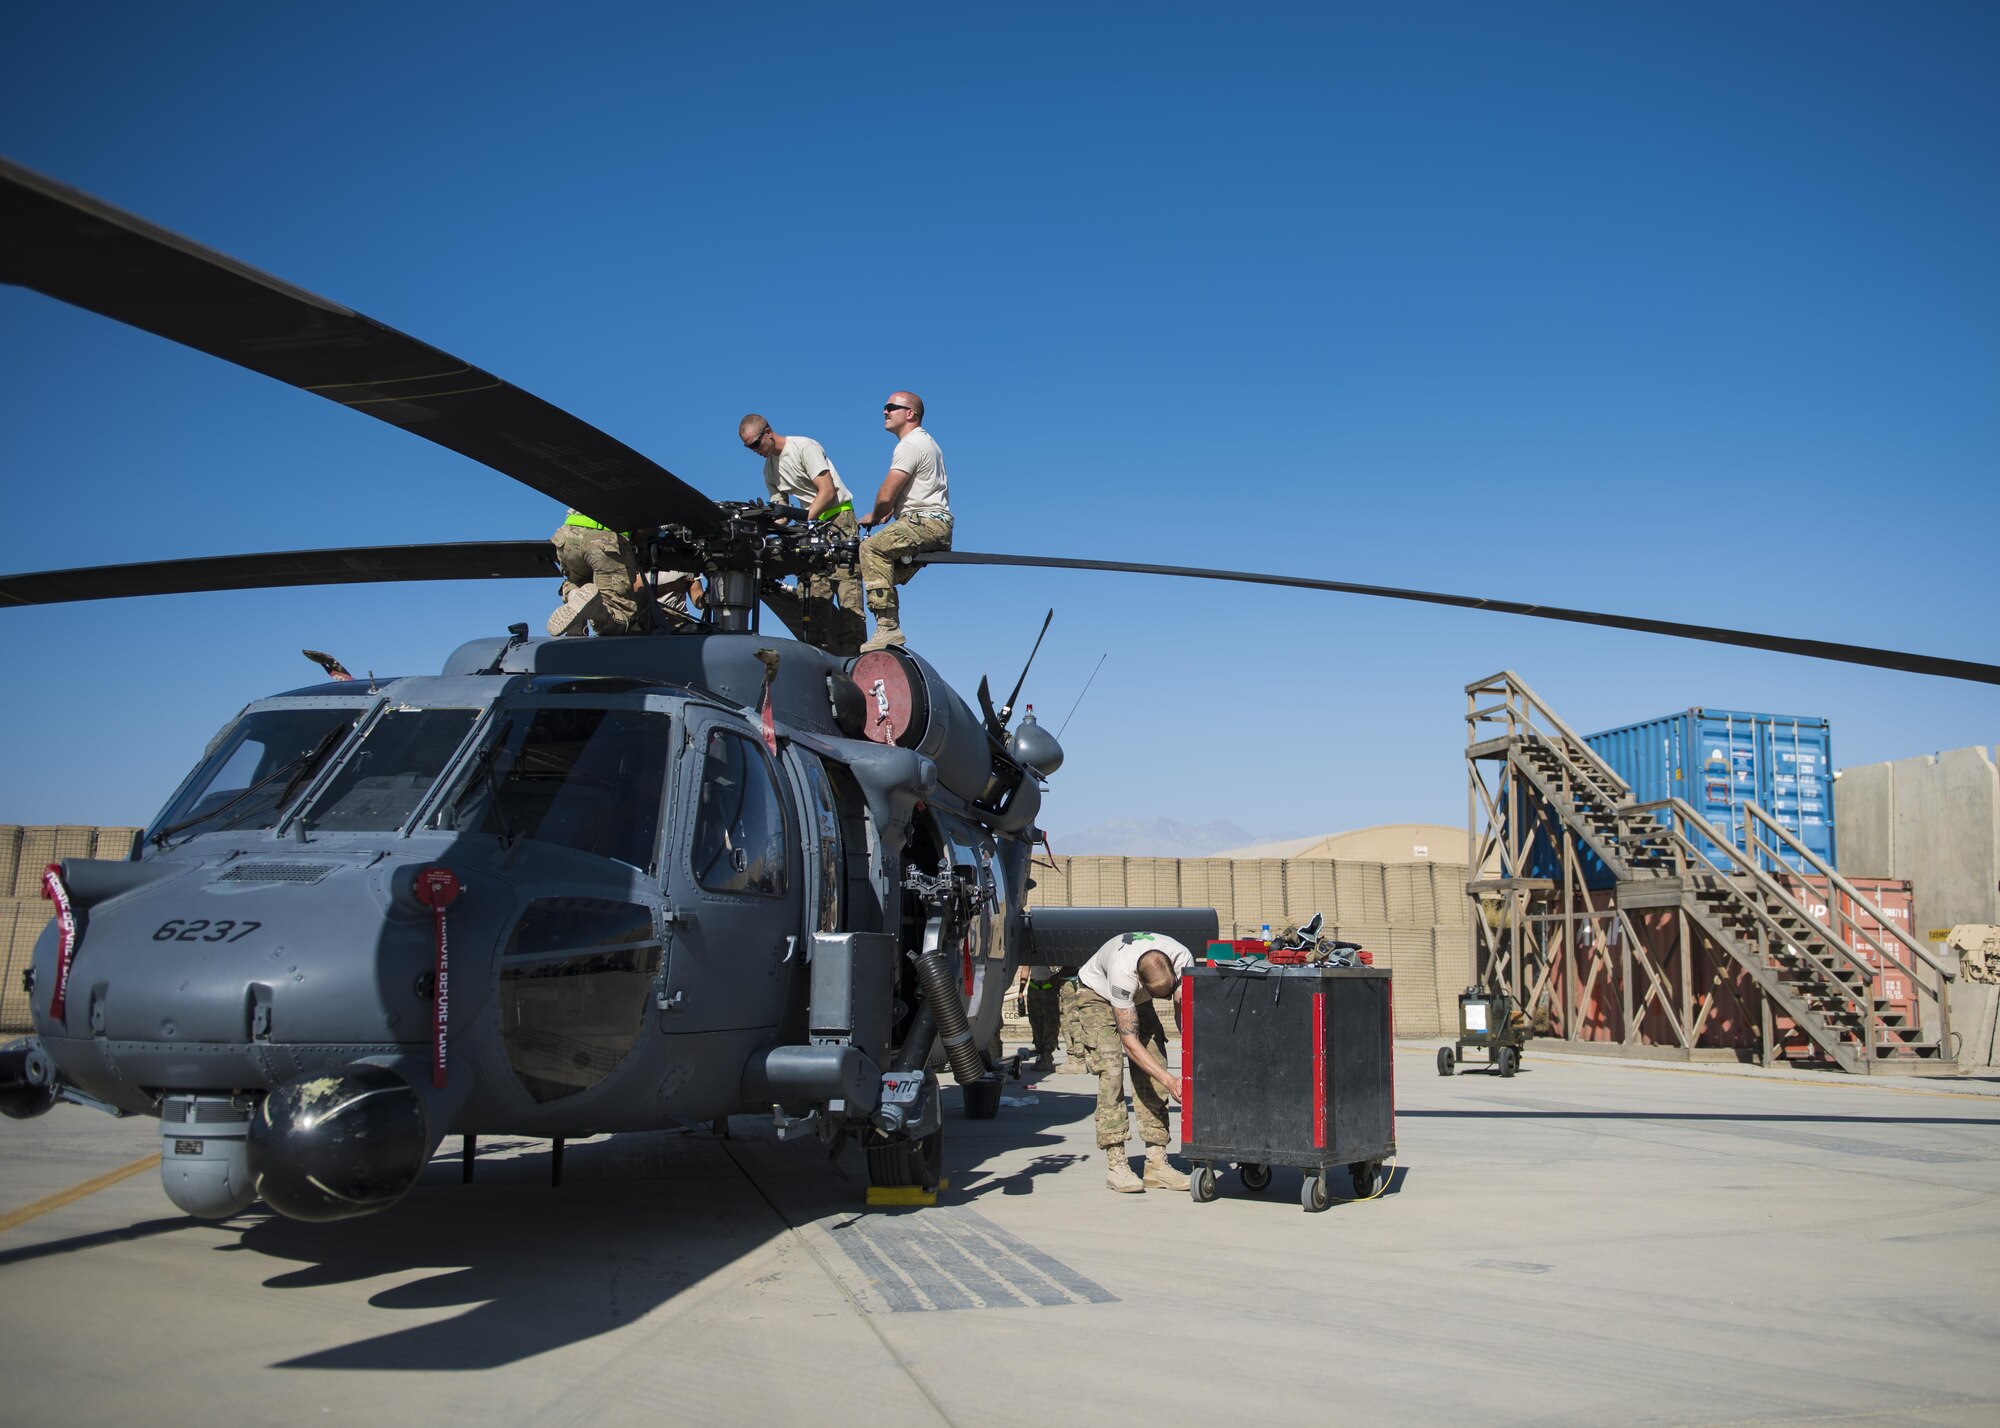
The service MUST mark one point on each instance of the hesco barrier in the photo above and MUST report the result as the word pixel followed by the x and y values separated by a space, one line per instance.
pixel 24 852
pixel 1411 916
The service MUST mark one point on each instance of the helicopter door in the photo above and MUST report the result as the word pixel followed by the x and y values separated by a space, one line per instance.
pixel 738 895
pixel 825 866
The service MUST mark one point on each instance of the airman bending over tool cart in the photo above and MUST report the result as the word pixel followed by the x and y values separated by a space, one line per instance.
pixel 1114 1026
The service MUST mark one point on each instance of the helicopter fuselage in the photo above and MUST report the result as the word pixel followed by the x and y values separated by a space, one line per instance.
pixel 647 837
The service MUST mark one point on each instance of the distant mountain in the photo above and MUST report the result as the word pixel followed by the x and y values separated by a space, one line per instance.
pixel 1154 838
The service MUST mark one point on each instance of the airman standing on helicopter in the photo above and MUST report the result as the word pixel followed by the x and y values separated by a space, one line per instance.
pixel 914 498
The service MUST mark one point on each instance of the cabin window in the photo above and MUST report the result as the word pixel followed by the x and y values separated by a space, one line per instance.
pixel 388 773
pixel 739 843
pixel 588 779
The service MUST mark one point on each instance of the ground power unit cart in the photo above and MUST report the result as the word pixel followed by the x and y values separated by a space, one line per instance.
pixel 1287 1065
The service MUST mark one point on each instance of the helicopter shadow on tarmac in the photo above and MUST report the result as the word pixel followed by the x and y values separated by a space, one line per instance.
pixel 639 1221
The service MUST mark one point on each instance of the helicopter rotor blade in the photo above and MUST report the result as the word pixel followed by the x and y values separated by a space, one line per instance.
pixel 472 560
pixel 73 248
pixel 1782 644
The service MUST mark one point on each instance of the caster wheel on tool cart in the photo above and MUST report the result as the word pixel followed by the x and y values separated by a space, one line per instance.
pixel 1201 1184
pixel 1445 1060
pixel 1254 1176
pixel 1368 1178
pixel 1510 1060
pixel 1313 1193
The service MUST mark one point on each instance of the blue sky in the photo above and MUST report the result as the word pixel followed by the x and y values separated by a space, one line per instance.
pixel 1680 310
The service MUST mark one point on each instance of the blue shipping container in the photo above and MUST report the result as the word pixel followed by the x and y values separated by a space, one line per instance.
pixel 1717 760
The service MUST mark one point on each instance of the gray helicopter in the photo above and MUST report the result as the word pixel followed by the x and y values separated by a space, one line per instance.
pixel 562 887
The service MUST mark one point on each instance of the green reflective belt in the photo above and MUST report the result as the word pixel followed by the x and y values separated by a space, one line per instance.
pixel 577 519
pixel 831 511
pixel 1043 986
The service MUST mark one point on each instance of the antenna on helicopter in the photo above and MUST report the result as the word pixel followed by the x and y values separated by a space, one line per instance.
pixel 1085 690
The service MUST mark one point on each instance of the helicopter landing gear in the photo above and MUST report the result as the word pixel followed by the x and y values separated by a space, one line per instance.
pixel 900 1162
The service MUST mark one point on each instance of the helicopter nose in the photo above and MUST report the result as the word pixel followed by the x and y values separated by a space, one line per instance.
pixel 327 1147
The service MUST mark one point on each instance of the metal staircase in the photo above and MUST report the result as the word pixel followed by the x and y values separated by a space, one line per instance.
pixel 1699 946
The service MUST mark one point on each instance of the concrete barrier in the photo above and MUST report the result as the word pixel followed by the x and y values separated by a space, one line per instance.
pixel 1933 819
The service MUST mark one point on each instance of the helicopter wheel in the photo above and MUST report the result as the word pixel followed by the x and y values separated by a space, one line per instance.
pixel 901 1163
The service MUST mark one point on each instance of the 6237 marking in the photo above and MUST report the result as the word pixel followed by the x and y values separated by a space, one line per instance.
pixel 200 929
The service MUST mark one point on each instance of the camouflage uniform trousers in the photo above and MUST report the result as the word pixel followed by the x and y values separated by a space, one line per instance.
pixel 906 535
pixel 1106 1057
pixel 606 559
pixel 1044 1014
pixel 1072 1036
pixel 833 602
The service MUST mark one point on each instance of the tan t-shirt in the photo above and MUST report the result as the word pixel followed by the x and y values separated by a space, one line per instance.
pixel 1113 972
pixel 918 454
pixel 792 471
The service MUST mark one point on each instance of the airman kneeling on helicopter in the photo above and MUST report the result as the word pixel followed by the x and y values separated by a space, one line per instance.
pixel 600 575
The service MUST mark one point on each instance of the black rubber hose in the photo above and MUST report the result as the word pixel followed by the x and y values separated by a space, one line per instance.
pixel 941 996
pixel 915 1052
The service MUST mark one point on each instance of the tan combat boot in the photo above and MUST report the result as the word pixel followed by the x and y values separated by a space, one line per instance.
pixel 887 632
pixel 1160 1173
pixel 1118 1172
pixel 582 605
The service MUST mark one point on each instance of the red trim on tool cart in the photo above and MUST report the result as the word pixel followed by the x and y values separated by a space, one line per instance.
pixel 1187 1059
pixel 1319 1070
pixel 1392 1057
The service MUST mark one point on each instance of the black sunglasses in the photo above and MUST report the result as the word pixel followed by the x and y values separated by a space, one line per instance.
pixel 888 407
pixel 758 441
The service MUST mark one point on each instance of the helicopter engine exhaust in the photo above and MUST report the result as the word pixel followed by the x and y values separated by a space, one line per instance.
pixel 333 1146
pixel 941 995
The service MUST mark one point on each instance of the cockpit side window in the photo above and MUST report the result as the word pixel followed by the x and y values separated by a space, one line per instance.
pixel 740 843
pixel 589 779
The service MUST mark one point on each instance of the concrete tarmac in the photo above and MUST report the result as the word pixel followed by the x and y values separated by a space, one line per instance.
pixel 1585 1243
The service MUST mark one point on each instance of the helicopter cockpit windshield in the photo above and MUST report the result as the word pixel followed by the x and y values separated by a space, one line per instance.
pixel 584 778
pixel 387 774
pixel 254 769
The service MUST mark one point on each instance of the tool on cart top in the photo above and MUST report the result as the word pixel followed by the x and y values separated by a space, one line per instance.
pixel 1295 946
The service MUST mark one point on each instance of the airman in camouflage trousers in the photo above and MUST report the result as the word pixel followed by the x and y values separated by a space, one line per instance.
pixel 1105 1055
pixel 1072 1035
pixel 1044 1013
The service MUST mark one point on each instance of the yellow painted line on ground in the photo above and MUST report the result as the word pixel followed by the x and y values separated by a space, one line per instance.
pixel 77 1192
